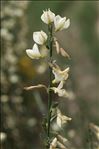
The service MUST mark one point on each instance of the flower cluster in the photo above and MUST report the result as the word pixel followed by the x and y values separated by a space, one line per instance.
pixel 43 44
pixel 40 38
pixel 59 22
pixel 60 77
pixel 39 49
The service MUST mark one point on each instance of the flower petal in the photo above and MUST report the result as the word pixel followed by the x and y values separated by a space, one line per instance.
pixel 67 24
pixel 59 122
pixel 56 20
pixel 61 119
pixel 33 53
pixel 40 37
pixel 44 35
pixel 47 16
pixel 37 38
pixel 60 85
pixel 61 23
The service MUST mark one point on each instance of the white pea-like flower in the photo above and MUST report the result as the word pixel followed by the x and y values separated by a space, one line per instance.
pixel 34 52
pixel 61 92
pixel 47 16
pixel 61 23
pixel 40 37
pixel 60 75
pixel 61 119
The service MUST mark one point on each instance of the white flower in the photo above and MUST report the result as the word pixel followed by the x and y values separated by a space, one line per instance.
pixel 61 23
pixel 60 75
pixel 61 119
pixel 40 37
pixel 34 52
pixel 61 92
pixel 53 144
pixel 47 16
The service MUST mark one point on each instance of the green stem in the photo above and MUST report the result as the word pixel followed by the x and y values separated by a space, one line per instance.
pixel 50 79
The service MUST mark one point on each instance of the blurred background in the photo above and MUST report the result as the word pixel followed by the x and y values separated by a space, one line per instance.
pixel 22 111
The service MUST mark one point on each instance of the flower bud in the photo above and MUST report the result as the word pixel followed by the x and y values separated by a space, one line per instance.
pixel 47 16
pixel 40 37
pixel 34 52
pixel 61 23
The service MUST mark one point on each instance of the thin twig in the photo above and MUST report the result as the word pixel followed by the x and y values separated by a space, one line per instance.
pixel 34 87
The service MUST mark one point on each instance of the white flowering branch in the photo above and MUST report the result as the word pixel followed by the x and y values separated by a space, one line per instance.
pixel 43 43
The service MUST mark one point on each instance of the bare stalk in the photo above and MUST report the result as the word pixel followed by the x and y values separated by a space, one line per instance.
pixel 50 79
